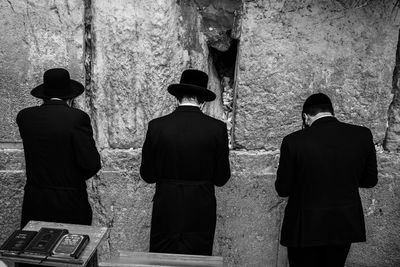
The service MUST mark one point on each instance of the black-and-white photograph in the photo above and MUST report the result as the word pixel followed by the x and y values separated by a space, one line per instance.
pixel 213 133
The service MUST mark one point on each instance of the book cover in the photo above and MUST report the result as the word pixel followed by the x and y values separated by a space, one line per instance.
pixel 71 246
pixel 17 242
pixel 44 241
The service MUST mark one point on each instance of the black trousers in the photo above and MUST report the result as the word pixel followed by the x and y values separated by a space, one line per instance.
pixel 326 256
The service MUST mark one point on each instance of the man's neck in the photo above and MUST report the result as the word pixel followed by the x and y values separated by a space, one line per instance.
pixel 189 104
pixel 321 115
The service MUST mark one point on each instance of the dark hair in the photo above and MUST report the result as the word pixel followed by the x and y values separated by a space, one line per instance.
pixel 317 103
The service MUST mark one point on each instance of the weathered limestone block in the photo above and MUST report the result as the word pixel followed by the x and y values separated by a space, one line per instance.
pixel 291 49
pixel 11 185
pixel 382 218
pixel 12 160
pixel 249 212
pixel 122 202
pixel 12 181
pixel 141 47
pixel 36 35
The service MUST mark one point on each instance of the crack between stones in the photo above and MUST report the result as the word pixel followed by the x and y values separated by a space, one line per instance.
pixel 11 5
pixel 273 151
pixel 234 100
pixel 67 6
pixel 225 65
pixel 391 141
pixel 103 217
pixel 33 32
pixel 55 9
pixel 89 49
pixel 11 146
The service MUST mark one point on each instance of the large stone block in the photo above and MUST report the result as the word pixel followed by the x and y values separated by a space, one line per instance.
pixel 140 48
pixel 36 35
pixel 122 202
pixel 12 159
pixel 249 212
pixel 12 181
pixel 11 185
pixel 382 218
pixel 124 205
pixel 291 49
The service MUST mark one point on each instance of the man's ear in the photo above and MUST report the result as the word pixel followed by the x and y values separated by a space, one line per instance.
pixel 303 118
pixel 70 102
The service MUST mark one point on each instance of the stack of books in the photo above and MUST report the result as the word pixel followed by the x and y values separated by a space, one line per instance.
pixel 46 244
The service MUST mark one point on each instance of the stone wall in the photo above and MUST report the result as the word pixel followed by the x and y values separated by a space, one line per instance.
pixel 263 58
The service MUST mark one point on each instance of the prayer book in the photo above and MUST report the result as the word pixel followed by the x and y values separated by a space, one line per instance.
pixel 17 242
pixel 43 243
pixel 70 246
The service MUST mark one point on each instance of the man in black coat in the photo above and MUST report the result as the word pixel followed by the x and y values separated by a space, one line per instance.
pixel 321 168
pixel 60 153
pixel 185 153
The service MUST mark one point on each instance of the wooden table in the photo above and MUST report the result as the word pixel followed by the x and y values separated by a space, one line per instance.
pixel 145 259
pixel 96 235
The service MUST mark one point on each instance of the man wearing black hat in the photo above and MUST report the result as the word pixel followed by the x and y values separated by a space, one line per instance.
pixel 185 153
pixel 320 169
pixel 60 153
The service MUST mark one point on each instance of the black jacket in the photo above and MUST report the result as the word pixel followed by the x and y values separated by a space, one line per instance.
pixel 186 145
pixel 185 153
pixel 60 154
pixel 320 170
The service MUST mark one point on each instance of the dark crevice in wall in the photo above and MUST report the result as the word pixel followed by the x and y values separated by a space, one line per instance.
pixel 89 48
pixel 88 59
pixel 225 62
pixel 221 26
pixel 225 66
pixel 392 138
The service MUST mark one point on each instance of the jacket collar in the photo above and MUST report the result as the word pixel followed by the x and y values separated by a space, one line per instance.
pixel 324 120
pixel 187 109
pixel 55 102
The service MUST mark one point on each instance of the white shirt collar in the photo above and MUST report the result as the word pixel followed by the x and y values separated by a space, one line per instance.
pixel 321 116
pixel 189 104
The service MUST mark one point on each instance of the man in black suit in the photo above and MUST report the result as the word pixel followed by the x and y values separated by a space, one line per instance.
pixel 321 168
pixel 60 153
pixel 185 153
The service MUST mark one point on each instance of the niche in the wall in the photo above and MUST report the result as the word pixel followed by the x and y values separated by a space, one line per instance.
pixel 225 64
pixel 221 25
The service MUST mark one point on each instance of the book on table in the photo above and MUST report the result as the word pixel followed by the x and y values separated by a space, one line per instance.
pixel 17 242
pixel 42 244
pixel 70 246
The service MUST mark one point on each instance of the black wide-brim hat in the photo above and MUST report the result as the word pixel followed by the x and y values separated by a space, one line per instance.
pixel 193 83
pixel 57 83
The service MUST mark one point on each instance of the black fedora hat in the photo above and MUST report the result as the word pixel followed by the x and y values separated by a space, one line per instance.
pixel 57 83
pixel 193 82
